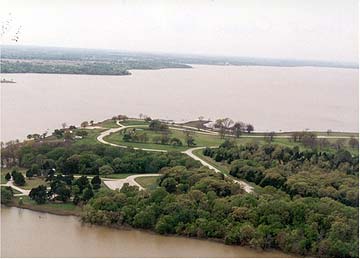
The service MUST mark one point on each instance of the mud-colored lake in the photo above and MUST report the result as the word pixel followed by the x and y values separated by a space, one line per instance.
pixel 272 98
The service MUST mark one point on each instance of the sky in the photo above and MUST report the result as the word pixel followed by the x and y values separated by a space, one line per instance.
pixel 287 29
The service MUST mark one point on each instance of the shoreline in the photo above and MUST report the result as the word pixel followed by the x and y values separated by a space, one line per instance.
pixel 130 228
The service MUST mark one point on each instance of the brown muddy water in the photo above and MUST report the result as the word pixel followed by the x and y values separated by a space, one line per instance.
pixel 26 233
pixel 272 98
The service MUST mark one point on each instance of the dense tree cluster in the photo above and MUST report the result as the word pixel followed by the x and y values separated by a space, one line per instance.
pixel 306 173
pixel 157 125
pixel 18 177
pixel 227 126
pixel 65 188
pixel 6 194
pixel 200 203
pixel 68 158
pixel 310 140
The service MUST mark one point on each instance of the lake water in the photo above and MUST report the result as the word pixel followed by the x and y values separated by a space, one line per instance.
pixel 272 98
pixel 26 233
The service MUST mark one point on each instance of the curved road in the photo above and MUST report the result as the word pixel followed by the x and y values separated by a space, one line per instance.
pixel 119 183
pixel 23 191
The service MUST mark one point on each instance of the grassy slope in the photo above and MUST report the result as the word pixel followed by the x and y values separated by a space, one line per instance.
pixel 148 182
pixel 55 208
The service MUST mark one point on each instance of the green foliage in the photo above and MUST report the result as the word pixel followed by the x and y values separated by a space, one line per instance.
pixel 18 177
pixel 213 207
pixel 96 182
pixel 106 169
pixel 306 173
pixel 69 159
pixel 157 125
pixel 39 194
pixel 6 195
pixel 8 177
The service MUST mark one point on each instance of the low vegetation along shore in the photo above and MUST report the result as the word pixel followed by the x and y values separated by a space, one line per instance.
pixel 295 191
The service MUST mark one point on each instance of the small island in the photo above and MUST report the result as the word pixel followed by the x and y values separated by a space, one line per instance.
pixel 5 81
pixel 222 180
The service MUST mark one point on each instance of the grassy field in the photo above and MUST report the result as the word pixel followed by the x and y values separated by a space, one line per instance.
pixel 91 137
pixel 15 191
pixel 108 124
pixel 148 182
pixel 134 122
pixel 33 182
pixel 201 140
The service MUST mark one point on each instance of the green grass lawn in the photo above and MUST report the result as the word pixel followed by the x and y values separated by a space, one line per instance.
pixel 108 124
pixel 15 191
pixel 33 182
pixel 134 122
pixel 148 182
pixel 91 137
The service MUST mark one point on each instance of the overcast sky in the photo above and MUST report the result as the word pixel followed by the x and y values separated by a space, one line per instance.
pixel 301 29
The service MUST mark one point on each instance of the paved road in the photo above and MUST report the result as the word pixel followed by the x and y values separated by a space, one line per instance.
pixel 106 133
pixel 118 184
pixel 188 152
pixel 23 191
pixel 248 188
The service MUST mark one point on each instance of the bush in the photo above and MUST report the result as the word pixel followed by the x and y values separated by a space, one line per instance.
pixel 106 169
pixel 6 194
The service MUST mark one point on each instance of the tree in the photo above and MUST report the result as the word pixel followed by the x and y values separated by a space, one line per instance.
pixel 238 128
pixel 63 193
pixel 84 124
pixel 81 133
pixel 38 194
pixel 189 139
pixel 223 125
pixel 96 182
pixel 175 142
pixel 29 173
pixel 106 169
pixel 7 177
pixel 58 133
pixel 122 117
pixel 249 128
pixel 270 136
pixel 87 194
pixel 354 143
pixel 82 182
pixel 169 184
pixel 63 125
pixel 157 125
pixel 339 143
pixel 164 139
pixel 68 135
pixel 18 178
pixel 6 194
